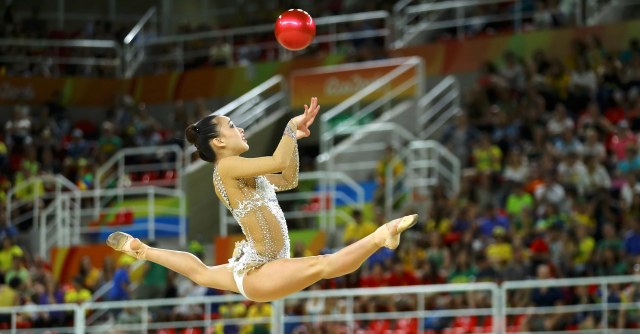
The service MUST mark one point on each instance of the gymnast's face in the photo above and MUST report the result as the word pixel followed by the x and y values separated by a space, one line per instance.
pixel 231 138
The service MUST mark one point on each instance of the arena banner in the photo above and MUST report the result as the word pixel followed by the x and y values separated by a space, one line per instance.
pixel 314 240
pixel 334 84
pixel 469 55
pixel 446 57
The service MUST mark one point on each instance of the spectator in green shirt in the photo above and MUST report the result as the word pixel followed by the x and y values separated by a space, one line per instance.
pixel 154 281
pixel 518 200
pixel 610 240
pixel 109 143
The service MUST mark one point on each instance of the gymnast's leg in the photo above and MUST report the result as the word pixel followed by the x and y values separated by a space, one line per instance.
pixel 186 264
pixel 283 277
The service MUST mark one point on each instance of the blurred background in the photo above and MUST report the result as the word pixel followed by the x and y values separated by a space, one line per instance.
pixel 510 126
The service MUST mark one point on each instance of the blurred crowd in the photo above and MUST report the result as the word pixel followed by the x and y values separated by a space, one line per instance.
pixel 44 141
pixel 550 189
pixel 244 49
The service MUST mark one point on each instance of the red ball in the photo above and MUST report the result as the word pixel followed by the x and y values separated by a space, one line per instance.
pixel 295 29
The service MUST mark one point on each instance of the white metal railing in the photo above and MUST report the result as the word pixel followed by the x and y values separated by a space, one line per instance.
pixel 604 307
pixel 438 107
pixel 360 154
pixel 431 164
pixel 110 49
pixel 20 210
pixel 457 15
pixel 327 221
pixel 164 159
pixel 329 30
pixel 497 307
pixel 278 319
pixel 134 52
pixel 357 107
pixel 252 108
pixel 64 224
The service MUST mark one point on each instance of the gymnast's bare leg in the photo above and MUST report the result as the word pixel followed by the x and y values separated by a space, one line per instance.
pixel 275 279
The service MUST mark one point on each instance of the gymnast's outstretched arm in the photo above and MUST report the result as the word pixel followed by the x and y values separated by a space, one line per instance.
pixel 238 167
pixel 284 159
pixel 289 177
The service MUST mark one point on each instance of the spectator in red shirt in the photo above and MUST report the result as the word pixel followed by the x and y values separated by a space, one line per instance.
pixel 401 277
pixel 375 278
pixel 621 139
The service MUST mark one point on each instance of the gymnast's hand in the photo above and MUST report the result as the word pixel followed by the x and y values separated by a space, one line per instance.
pixel 305 120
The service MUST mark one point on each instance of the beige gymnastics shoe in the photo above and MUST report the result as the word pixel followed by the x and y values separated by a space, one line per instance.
pixel 122 242
pixel 385 236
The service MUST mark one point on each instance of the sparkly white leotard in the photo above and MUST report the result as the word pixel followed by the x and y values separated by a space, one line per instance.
pixel 250 194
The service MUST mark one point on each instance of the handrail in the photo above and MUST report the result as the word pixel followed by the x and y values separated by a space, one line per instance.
pixel 404 64
pixel 343 18
pixel 136 29
pixel 82 43
pixel 67 220
pixel 452 174
pixel 434 105
pixel 59 180
pixel 248 96
pixel 498 309
pixel 450 4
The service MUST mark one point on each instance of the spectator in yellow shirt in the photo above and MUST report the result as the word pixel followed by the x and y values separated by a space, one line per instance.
pixel 390 160
pixel 586 246
pixel 8 252
pixel 77 293
pixel 499 252
pixel 358 229
pixel 487 156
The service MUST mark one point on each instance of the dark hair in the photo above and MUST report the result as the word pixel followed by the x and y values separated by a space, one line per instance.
pixel 200 133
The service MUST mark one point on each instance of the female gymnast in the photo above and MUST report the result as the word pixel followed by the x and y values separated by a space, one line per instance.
pixel 261 268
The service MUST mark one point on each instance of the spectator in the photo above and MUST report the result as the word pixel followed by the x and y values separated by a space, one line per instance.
pixel 18 128
pixel 121 284
pixel 560 122
pixel 48 293
pixel 220 53
pixel 400 276
pixel 584 81
pixel 593 147
pixel 9 297
pixel 357 229
pixel 567 144
pixel 78 147
pixel 18 270
pixel 487 157
pixel 7 254
pixel 586 247
pixel 630 164
pixel 550 192
pixel 463 272
pixel 154 281
pixel 88 274
pixel 632 239
pixel 492 219
pixel 622 138
pixel 516 170
pixel 459 138
pixel 518 202
pixel 77 293
pixel 375 278
pixel 545 296
pixel 499 252
pixel 109 143
pixel 388 161
pixel 595 180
